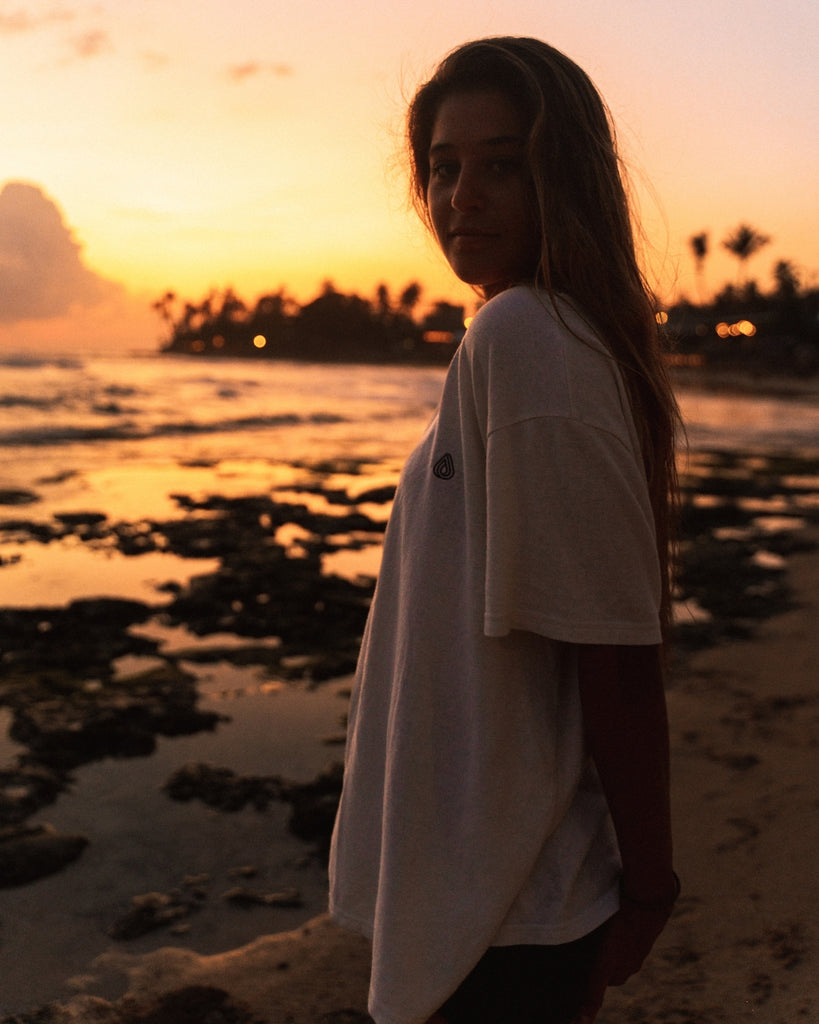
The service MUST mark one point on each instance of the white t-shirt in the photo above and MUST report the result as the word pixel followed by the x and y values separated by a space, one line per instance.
pixel 471 813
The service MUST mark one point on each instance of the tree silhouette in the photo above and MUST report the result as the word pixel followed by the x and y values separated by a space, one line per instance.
pixel 699 247
pixel 382 300
pixel 164 308
pixel 744 242
pixel 787 280
pixel 409 298
pixel 333 326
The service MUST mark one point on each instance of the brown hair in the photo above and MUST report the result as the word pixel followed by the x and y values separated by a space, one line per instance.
pixel 587 236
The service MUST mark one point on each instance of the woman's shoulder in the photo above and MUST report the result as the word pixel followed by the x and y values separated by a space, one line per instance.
pixel 524 316
pixel 519 303
pixel 545 354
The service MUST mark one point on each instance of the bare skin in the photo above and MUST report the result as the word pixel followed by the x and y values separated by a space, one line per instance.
pixel 479 191
pixel 624 713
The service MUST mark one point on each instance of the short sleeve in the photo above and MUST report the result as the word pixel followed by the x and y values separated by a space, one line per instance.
pixel 571 549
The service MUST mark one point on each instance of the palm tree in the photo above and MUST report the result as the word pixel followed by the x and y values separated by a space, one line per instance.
pixel 409 298
pixel 743 242
pixel 382 300
pixel 699 246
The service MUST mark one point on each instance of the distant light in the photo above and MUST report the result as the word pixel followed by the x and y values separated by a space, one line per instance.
pixel 218 341
pixel 683 359
pixel 260 341
pixel 661 317
pixel 198 345
pixel 438 337
pixel 467 321
pixel 742 328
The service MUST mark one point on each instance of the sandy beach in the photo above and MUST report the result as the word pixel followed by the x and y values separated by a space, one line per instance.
pixel 743 944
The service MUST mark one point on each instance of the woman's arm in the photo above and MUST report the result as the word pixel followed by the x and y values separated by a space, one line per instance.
pixel 624 713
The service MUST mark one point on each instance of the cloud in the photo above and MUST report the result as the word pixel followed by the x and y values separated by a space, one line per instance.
pixel 22 21
pixel 239 72
pixel 42 274
pixel 83 45
pixel 17 21
pixel 91 44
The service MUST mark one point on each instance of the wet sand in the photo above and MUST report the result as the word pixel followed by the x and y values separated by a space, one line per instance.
pixel 744 705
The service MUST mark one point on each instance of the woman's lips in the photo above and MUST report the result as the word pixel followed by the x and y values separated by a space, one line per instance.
pixel 471 239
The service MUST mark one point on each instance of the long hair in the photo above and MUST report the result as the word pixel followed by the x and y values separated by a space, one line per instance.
pixel 587 249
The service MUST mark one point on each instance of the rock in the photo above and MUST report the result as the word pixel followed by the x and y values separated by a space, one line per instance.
pixel 154 910
pixel 79 520
pixel 244 871
pixel 17 496
pixel 31 852
pixel 66 722
pixel 24 789
pixel 376 495
pixel 315 805
pixel 83 638
pixel 196 1004
pixel 243 897
pixel 222 788
pixel 288 898
pixel 196 881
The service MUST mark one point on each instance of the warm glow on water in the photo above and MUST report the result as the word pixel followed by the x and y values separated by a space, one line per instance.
pixel 738 420
pixel 38 575
pixel 125 438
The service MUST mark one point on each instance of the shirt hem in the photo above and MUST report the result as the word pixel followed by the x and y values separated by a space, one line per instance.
pixel 573 633
pixel 350 923
pixel 534 934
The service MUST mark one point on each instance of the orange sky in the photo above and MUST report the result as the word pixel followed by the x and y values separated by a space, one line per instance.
pixel 191 145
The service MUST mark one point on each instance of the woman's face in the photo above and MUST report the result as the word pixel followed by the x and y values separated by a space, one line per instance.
pixel 479 196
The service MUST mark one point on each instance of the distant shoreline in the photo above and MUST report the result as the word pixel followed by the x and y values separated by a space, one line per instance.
pixel 732 380
pixel 738 381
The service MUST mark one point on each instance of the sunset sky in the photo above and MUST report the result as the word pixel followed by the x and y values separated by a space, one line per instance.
pixel 193 144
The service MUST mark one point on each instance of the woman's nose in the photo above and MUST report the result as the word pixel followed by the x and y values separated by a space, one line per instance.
pixel 467 194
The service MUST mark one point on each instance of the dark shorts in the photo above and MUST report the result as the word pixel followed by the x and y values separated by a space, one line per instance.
pixel 524 985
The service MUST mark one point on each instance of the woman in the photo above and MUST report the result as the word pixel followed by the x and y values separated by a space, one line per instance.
pixel 504 830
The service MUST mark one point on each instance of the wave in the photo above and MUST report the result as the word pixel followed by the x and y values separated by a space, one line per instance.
pixel 46 435
pixel 28 402
pixel 29 361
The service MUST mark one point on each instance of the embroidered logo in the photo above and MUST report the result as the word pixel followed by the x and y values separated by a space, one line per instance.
pixel 444 468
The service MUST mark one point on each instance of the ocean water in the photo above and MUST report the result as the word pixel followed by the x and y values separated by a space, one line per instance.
pixel 83 413
pixel 122 435
pixel 89 411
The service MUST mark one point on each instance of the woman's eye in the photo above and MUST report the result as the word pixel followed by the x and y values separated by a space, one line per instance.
pixel 443 171
pixel 503 168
